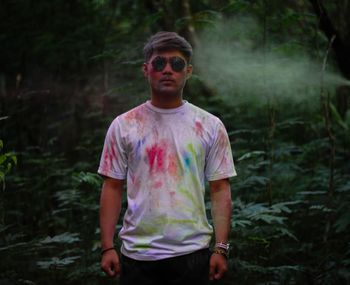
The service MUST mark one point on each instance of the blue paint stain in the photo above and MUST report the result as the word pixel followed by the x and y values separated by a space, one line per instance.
pixel 187 160
pixel 138 147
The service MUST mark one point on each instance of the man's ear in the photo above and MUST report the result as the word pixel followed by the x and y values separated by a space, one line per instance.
pixel 145 69
pixel 189 71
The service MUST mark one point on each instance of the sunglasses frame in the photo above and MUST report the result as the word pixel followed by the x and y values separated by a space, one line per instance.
pixel 160 62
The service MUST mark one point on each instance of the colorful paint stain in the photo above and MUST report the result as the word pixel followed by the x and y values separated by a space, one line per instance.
pixel 174 202
pixel 190 157
pixel 157 184
pixel 192 150
pixel 199 128
pixel 173 166
pixel 113 150
pixel 186 156
pixel 156 157
pixel 135 114
pixel 189 196
pixel 106 161
pixel 138 147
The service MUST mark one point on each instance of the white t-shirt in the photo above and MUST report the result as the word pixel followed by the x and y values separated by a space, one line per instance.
pixel 166 155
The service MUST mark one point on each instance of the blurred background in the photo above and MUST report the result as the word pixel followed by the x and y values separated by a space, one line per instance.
pixel 276 73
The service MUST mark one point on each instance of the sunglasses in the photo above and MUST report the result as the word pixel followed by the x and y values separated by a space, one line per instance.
pixel 177 63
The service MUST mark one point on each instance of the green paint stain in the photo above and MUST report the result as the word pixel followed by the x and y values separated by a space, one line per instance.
pixel 192 150
pixel 158 223
pixel 141 246
pixel 190 197
pixel 195 181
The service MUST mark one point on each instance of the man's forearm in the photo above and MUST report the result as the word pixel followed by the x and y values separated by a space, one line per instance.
pixel 110 206
pixel 221 209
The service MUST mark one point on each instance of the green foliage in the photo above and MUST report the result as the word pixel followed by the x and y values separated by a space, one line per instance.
pixel 7 161
pixel 291 222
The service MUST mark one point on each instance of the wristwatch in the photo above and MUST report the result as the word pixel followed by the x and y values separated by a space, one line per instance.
pixel 222 248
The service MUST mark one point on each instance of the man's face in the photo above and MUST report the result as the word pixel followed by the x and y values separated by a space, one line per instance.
pixel 164 73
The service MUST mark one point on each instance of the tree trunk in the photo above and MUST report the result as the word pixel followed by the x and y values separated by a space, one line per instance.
pixel 341 48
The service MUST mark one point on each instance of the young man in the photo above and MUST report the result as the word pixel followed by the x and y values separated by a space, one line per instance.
pixel 165 149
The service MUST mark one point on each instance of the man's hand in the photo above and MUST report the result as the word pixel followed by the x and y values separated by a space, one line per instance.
pixel 110 205
pixel 110 263
pixel 218 266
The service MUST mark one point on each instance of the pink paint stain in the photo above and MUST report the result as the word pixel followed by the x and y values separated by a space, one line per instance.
pixel 172 166
pixel 173 201
pixel 133 179
pixel 106 162
pixel 156 157
pixel 135 114
pixel 157 184
pixel 199 128
pixel 110 154
pixel 113 150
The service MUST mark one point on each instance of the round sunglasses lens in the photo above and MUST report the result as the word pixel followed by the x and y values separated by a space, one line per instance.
pixel 177 63
pixel 159 63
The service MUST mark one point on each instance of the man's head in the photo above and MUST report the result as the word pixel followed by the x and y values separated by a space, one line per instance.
pixel 165 41
pixel 167 66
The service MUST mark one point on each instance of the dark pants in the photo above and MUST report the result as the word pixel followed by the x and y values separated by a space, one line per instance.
pixel 191 268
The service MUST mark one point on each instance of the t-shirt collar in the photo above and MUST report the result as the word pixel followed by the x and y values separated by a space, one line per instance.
pixel 166 111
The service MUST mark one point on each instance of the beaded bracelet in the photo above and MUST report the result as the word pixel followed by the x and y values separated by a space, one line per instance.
pixel 107 249
pixel 221 251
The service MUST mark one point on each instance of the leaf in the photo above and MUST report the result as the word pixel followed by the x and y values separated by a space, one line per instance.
pixel 3 228
pixel 88 177
pixel 282 207
pixel 260 240
pixel 251 154
pixel 337 116
pixel 28 282
pixel 68 196
pixel 8 168
pixel 312 193
pixel 241 132
pixel 3 157
pixel 269 219
pixel 62 238
pixel 13 157
pixel 57 263
pixel 290 123
pixel 321 207
pixel 12 246
pixel 262 180
pixel 344 188
pixel 286 232
pixel 241 223
pixel 342 222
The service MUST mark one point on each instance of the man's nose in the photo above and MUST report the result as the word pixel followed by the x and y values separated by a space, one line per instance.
pixel 167 68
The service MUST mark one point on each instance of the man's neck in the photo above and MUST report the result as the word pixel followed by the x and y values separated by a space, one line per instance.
pixel 166 102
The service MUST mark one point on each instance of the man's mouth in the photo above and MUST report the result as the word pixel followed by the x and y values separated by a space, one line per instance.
pixel 167 80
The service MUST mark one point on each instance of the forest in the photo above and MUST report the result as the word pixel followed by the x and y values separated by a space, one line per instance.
pixel 277 73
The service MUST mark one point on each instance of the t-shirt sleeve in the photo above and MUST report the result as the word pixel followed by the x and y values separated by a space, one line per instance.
pixel 113 161
pixel 219 161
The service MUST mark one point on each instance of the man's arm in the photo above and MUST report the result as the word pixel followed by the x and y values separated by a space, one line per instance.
pixel 220 194
pixel 110 206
